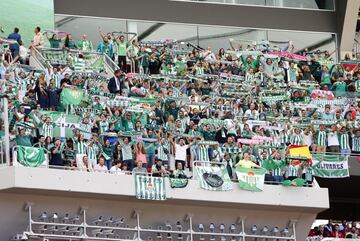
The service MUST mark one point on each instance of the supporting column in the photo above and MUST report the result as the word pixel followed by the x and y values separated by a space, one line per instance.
pixel 131 26
pixel 6 129
pixel 347 26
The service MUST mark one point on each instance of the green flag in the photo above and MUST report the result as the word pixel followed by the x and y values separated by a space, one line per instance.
pixel 330 166
pixel 151 188
pixel 297 182
pixel 251 179
pixel 214 178
pixel 30 156
pixel 178 182
pixel 71 96
pixel 64 124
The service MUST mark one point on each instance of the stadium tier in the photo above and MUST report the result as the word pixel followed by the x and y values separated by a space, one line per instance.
pixel 132 138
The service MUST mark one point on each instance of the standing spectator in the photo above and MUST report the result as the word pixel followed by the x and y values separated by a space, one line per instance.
pixel 69 42
pixel 23 53
pixel 116 83
pixel 38 40
pixel 122 45
pixel 14 48
pixel 54 41
pixel 84 44
pixel 106 47
pixel 56 151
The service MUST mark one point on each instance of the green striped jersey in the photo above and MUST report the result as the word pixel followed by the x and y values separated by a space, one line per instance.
pixel 284 138
pixel 277 171
pixel 92 152
pixel 103 126
pixel 320 138
pixel 47 130
pixel 203 153
pixel 127 151
pixel 344 141
pixel 294 170
pixel 24 82
pixel 296 139
pixel 160 150
pixel 356 144
pixel 80 147
pixel 79 64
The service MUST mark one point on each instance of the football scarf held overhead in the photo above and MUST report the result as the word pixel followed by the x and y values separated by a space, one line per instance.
pixel 214 178
pixel 274 98
pixel 31 156
pixel 330 166
pixel 150 188
pixel 251 179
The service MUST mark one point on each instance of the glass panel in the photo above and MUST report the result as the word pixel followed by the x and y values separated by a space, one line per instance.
pixel 78 26
pixel 304 4
pixel 150 31
pixel 204 36
pixel 303 40
pixel 218 37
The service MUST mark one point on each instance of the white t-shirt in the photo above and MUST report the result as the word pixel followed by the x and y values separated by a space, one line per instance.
pixel 307 139
pixel 333 139
pixel 180 152
pixel 99 168
pixel 23 52
pixel 116 170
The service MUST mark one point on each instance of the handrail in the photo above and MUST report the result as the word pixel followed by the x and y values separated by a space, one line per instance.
pixel 42 61
pixel 110 64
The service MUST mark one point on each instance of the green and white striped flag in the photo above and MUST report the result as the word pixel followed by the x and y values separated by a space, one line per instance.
pixel 213 178
pixel 251 179
pixel 330 166
pixel 31 156
pixel 150 188
pixel 64 124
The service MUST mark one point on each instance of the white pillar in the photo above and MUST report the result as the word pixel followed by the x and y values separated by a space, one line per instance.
pixel 132 27
pixel 7 134
pixel 346 42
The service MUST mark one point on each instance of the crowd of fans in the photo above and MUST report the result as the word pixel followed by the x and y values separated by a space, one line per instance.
pixel 174 105
pixel 335 230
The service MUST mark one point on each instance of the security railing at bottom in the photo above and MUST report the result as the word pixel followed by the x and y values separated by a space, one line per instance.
pixel 79 226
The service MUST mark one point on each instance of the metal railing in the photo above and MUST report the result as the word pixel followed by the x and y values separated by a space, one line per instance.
pixel 80 227
pixel 112 66
pixel 64 57
pixel 39 58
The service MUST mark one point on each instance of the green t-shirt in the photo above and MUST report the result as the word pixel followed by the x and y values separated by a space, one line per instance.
pixel 208 135
pixel 122 48
pixel 55 43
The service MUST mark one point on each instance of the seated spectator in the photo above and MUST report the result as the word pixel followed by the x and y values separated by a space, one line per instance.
pixel 100 166
pixel 179 172
pixel 158 170
pixel 139 169
pixel 116 168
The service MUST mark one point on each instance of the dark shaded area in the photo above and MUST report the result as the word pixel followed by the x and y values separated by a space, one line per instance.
pixel 344 194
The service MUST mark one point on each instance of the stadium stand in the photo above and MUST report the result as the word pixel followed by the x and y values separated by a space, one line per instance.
pixel 172 104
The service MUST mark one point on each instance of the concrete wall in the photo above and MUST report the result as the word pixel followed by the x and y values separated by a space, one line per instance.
pixel 112 195
pixel 201 13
